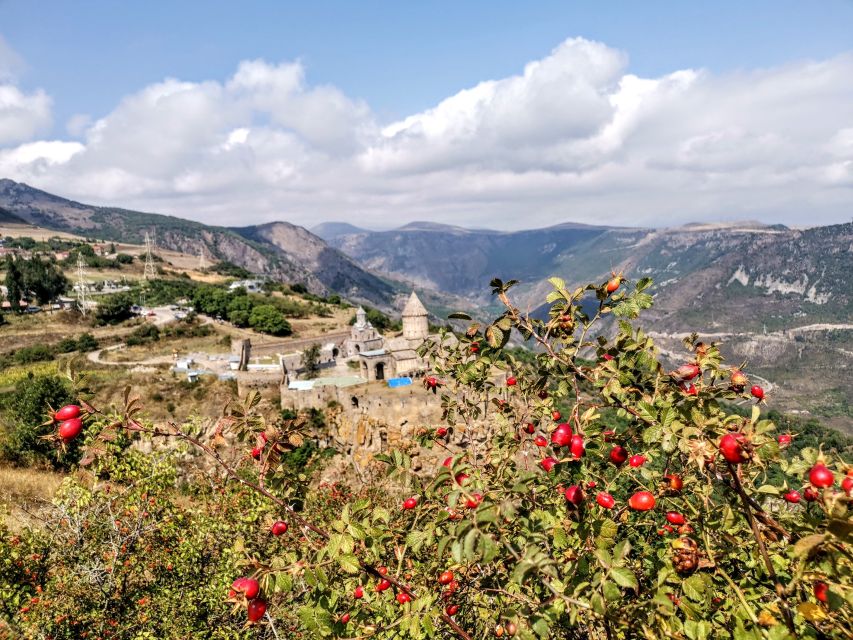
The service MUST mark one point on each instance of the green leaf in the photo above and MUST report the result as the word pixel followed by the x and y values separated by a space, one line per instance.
pixel 349 563
pixel 624 577
pixel 459 315
pixel 694 587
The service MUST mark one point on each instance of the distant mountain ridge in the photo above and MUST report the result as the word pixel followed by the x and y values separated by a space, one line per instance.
pixel 785 270
pixel 292 253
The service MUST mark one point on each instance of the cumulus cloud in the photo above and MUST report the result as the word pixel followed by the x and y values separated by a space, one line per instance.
pixel 573 136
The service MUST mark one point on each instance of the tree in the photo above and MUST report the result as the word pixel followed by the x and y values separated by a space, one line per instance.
pixel 266 318
pixel 311 361
pixel 15 287
pixel 114 308
pixel 43 279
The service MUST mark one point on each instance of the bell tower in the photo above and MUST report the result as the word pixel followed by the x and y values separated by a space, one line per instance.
pixel 415 322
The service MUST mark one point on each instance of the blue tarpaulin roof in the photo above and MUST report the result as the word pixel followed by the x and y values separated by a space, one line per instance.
pixel 399 382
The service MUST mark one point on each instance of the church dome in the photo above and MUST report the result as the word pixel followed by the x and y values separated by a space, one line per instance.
pixel 414 307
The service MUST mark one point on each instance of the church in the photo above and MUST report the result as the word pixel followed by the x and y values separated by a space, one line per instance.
pixel 382 358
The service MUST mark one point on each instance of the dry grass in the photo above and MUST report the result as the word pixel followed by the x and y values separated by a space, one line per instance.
pixel 26 485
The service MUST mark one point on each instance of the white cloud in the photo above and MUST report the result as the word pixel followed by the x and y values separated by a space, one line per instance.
pixel 574 136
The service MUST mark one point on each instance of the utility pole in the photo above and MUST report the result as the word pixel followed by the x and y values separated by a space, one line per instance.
pixel 81 285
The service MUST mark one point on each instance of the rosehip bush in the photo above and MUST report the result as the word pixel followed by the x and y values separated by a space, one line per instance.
pixel 695 541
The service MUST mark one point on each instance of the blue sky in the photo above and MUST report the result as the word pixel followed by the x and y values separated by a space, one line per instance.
pixel 498 113
pixel 401 57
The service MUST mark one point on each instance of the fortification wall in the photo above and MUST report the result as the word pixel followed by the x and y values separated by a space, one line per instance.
pixel 380 419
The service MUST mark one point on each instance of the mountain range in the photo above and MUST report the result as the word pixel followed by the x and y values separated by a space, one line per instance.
pixel 281 250
pixel 777 297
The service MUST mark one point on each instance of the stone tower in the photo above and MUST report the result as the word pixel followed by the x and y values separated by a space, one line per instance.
pixel 415 323
pixel 360 318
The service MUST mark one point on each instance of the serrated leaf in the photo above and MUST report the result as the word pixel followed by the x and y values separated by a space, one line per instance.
pixel 349 563
pixel 694 587
pixel 624 577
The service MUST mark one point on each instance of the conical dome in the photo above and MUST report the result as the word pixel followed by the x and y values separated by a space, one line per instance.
pixel 414 307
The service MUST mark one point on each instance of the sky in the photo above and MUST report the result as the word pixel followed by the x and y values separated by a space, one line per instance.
pixel 490 114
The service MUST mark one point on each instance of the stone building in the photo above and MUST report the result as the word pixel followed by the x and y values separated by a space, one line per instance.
pixel 383 358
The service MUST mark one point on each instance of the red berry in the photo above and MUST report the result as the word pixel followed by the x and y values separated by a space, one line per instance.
pixel 562 435
pixel 618 455
pixel 382 570
pixel 674 482
pixel 608 435
pixel 445 577
pixel 642 501
pixel 821 590
pixel 730 447
pixel 637 460
pixel 474 501
pixel 358 594
pixel 738 379
pixel 757 392
pixel 613 284
pixel 847 485
pixel 345 618
pixel 576 446
pixel 605 500
pixel 810 494
pixel 511 381
pixel 556 415
pixel 574 495
pixel 607 357
pixel 383 584
pixel 674 517
pixel 475 347
pixel 530 428
pixel 690 389
pixel 460 478
pixel 247 586
pixel 548 464
pixel 687 371
pixel 256 453
pixel 448 462
pixel 67 412
pixel 410 503
pixel 257 609
pixel 543 394
pixel 451 609
pixel 784 439
pixel 70 429
pixel 821 477
pixel 403 597
pixel 792 496
pixel 278 528
pixel 441 432
pixel 540 441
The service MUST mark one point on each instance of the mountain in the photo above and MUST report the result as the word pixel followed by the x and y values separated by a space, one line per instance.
pixel 331 230
pixel 8 217
pixel 280 250
pixel 779 298
pixel 781 273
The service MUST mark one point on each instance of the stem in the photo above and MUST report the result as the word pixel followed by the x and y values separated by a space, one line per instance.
pixel 780 589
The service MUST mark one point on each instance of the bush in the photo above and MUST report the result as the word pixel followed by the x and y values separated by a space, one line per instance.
pixel 686 538
pixel 87 342
pixel 22 443
pixel 124 258
pixel 36 353
pixel 266 318
pixel 143 334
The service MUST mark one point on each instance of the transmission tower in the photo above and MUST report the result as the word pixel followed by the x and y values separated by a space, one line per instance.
pixel 81 285
pixel 148 273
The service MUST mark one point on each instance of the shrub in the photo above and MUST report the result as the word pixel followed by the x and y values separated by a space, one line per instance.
pixel 507 537
pixel 143 334
pixel 124 258
pixel 22 422
pixel 36 353
pixel 87 342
